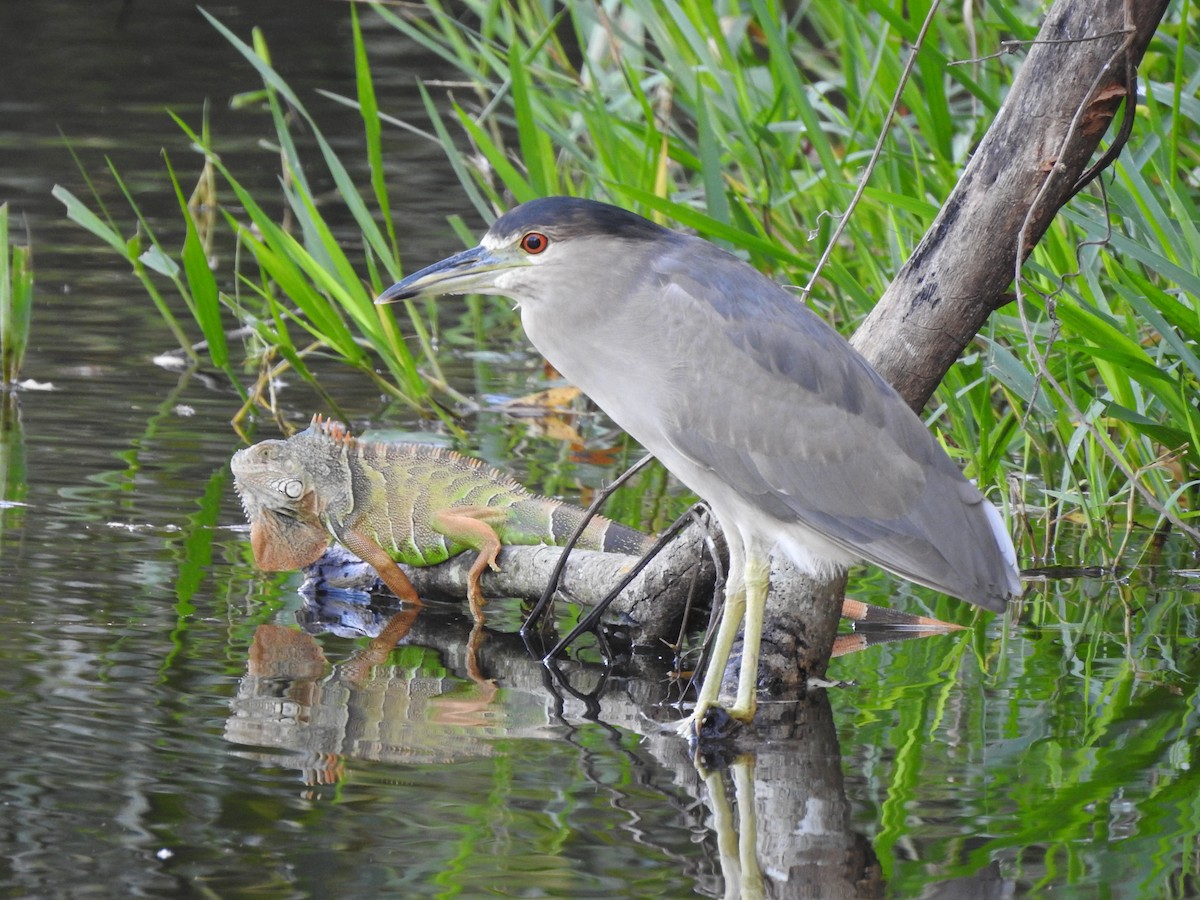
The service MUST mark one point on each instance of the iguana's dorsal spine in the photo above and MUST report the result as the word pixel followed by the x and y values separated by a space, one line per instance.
pixel 401 451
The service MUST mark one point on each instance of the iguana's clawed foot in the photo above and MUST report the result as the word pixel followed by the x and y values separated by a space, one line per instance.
pixel 485 560
pixel 390 574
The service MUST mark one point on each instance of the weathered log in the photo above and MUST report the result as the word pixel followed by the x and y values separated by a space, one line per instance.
pixel 653 604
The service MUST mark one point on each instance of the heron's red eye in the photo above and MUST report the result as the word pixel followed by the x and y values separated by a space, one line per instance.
pixel 534 243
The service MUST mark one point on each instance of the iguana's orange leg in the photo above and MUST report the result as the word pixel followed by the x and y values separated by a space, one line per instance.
pixel 470 525
pixel 369 551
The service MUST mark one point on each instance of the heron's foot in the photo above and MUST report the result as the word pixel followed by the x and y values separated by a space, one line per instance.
pixel 711 723
pixel 718 724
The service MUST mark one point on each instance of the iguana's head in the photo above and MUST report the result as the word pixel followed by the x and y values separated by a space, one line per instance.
pixel 286 487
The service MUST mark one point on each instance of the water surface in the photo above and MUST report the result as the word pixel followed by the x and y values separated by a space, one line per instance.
pixel 177 723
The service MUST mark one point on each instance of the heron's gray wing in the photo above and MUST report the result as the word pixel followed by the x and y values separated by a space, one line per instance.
pixel 789 415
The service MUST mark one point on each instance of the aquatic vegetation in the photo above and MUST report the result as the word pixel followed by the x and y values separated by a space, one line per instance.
pixel 16 302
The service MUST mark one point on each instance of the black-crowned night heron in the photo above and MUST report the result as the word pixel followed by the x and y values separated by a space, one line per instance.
pixel 748 398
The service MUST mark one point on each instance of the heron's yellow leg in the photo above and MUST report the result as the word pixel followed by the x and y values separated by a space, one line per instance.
pixel 757 584
pixel 732 614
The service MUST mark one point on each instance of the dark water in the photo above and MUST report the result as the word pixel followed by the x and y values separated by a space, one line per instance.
pixel 175 723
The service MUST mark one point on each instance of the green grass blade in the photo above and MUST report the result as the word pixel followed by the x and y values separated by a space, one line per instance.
pixel 536 151
pixel 521 188
pixel 81 215
pixel 711 170
pixel 368 107
pixel 456 158
pixel 202 284
pixel 690 217
pixel 16 302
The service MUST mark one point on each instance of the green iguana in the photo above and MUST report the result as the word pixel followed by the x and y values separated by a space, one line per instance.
pixel 397 502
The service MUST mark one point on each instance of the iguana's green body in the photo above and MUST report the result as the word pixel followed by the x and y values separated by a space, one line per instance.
pixel 397 502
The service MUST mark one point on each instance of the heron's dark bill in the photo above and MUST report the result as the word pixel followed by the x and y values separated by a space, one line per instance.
pixel 397 292
pixel 464 273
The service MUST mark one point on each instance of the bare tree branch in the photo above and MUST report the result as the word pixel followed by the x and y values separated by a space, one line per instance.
pixel 1028 165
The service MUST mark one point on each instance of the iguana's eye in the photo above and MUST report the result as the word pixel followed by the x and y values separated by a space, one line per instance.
pixel 292 489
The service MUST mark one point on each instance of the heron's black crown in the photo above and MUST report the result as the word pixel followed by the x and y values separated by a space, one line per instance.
pixel 568 217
